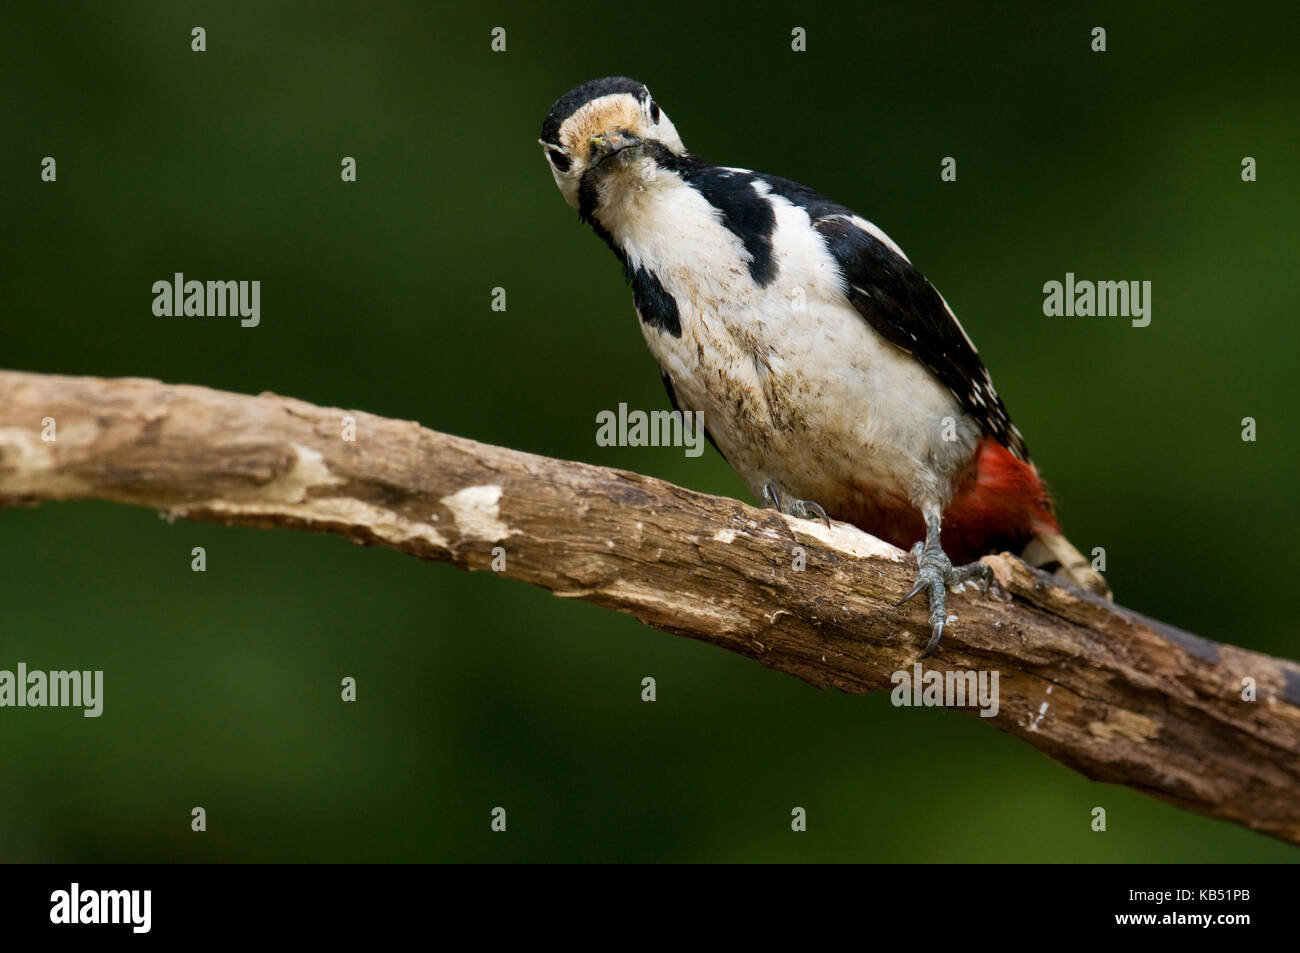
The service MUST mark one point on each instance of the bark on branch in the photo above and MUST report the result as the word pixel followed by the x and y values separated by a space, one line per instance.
pixel 1117 696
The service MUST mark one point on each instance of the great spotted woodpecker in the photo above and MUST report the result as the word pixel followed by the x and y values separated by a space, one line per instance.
pixel 832 376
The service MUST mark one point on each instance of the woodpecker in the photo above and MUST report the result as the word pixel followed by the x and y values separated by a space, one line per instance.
pixel 833 377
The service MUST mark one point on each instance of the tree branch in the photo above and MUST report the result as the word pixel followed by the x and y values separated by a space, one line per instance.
pixel 1117 696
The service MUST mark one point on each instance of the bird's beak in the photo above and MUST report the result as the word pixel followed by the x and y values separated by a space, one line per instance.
pixel 622 145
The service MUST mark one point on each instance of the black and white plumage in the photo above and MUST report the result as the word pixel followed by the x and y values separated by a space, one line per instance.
pixel 828 369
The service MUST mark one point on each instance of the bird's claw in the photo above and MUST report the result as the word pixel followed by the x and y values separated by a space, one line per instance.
pixel 936 573
pixel 807 509
pixel 802 509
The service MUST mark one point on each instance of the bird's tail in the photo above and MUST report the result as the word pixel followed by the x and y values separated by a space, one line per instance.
pixel 1052 552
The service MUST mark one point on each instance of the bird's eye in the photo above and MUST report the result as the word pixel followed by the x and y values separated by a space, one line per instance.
pixel 654 111
pixel 559 159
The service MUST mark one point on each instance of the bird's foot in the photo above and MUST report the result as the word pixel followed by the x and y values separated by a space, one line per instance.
pixel 803 509
pixel 936 573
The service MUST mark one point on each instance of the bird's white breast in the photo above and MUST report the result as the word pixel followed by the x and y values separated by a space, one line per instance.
pixel 796 387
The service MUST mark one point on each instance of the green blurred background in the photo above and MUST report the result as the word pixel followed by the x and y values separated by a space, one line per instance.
pixel 222 688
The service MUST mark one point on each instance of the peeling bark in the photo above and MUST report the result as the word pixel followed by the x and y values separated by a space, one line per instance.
pixel 1119 697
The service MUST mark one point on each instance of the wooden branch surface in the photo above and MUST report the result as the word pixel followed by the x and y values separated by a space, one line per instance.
pixel 1119 697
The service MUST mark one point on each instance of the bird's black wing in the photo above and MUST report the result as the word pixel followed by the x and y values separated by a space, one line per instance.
pixel 904 308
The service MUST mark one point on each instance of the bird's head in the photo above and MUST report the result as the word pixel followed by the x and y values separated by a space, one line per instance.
pixel 602 138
